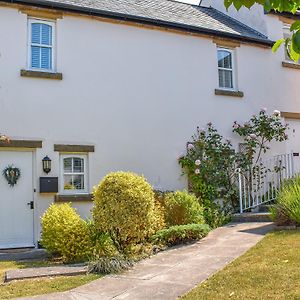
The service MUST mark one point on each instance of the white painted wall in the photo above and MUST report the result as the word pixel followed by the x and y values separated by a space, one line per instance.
pixel 136 94
pixel 255 17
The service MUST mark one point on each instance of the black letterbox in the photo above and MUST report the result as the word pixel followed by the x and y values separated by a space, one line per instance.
pixel 48 184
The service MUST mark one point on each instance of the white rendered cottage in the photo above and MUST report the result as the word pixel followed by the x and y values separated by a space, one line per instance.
pixel 107 85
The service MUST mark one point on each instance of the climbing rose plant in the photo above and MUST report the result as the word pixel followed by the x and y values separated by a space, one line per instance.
pixel 209 165
pixel 257 134
pixel 4 138
pixel 211 162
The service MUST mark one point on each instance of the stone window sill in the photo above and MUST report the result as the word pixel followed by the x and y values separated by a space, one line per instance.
pixel 291 65
pixel 74 148
pixel 39 74
pixel 221 92
pixel 73 198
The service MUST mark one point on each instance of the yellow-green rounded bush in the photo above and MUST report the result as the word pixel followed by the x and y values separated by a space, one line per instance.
pixel 65 234
pixel 182 208
pixel 125 208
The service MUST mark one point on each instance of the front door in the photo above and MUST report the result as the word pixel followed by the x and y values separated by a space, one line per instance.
pixel 16 213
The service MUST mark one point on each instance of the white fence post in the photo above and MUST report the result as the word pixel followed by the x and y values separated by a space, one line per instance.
pixel 240 191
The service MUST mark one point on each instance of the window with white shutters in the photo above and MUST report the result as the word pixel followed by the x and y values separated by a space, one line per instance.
pixel 41 45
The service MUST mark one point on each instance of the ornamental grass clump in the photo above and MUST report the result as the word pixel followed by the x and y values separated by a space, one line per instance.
pixel 65 234
pixel 182 208
pixel 125 209
pixel 287 208
pixel 108 265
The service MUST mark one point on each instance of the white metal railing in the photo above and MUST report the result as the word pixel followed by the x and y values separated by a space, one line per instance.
pixel 260 183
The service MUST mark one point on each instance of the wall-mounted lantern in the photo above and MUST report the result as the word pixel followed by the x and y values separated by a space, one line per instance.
pixel 46 164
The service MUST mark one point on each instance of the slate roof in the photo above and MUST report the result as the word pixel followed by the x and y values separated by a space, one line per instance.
pixel 165 13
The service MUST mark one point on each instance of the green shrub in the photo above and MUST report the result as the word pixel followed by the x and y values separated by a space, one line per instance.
pixel 180 234
pixel 108 265
pixel 125 208
pixel 213 214
pixel 103 244
pixel 65 234
pixel 182 208
pixel 288 202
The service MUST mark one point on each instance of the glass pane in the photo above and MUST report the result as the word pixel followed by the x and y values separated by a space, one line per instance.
pixel 46 54
pixel 35 57
pixel 78 166
pixel 46 34
pixel 224 59
pixel 68 165
pixel 78 182
pixel 68 183
pixel 225 79
pixel 36 33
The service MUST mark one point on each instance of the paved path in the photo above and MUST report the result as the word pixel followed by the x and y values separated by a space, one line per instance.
pixel 172 273
pixel 29 273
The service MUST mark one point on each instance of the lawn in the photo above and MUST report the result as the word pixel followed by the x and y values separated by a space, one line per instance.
pixel 37 286
pixel 269 271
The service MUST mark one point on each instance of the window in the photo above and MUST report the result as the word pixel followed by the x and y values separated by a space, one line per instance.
pixel 225 69
pixel 74 174
pixel 287 34
pixel 41 45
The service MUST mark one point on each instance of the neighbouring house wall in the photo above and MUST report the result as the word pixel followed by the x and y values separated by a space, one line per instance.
pixel 253 17
pixel 136 94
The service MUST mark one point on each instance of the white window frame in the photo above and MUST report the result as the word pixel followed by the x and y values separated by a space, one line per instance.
pixel 287 33
pixel 233 69
pixel 53 47
pixel 85 174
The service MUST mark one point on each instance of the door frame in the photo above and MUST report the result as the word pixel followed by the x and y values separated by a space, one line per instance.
pixel 33 191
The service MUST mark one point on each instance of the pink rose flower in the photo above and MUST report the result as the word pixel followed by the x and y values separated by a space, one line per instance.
pixel 198 162
pixel 263 109
pixel 190 146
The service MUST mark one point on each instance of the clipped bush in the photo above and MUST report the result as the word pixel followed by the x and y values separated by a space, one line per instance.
pixel 180 234
pixel 182 208
pixel 108 265
pixel 287 208
pixel 125 208
pixel 65 234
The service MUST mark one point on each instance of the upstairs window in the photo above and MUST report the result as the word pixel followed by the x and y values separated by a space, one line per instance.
pixel 287 34
pixel 225 69
pixel 41 45
pixel 74 174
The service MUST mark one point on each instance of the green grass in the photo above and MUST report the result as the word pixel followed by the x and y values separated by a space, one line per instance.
pixel 269 271
pixel 40 286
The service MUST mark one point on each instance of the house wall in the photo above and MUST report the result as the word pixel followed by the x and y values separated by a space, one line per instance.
pixel 255 17
pixel 134 93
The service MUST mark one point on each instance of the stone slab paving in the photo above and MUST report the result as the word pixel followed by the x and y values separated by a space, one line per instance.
pixel 30 273
pixel 172 273
pixel 23 254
